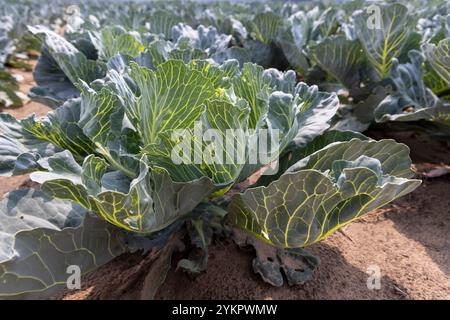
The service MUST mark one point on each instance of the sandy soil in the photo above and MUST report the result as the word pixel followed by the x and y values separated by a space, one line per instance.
pixel 408 240
pixel 24 86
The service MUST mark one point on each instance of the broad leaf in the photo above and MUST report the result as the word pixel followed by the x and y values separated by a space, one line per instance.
pixel 167 98
pixel 112 40
pixel 215 160
pixel 264 27
pixel 43 237
pixel 162 22
pixel 73 63
pixel 341 58
pixel 323 192
pixel 383 34
pixel 293 153
pixel 439 58
pixel 60 127
pixel 20 150
pixel 151 203
pixel 9 98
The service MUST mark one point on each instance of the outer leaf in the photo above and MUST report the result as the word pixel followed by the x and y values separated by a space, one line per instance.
pixel 294 37
pixel 162 22
pixel 439 58
pixel 29 209
pixel 73 63
pixel 394 157
pixel 54 87
pixel 256 52
pixel 42 237
pixel 293 153
pixel 7 46
pixel 20 150
pixel 341 58
pixel 152 202
pixel 307 203
pixel 436 84
pixel 265 26
pixel 385 43
pixel 112 40
pixel 439 113
pixel 60 127
pixel 8 94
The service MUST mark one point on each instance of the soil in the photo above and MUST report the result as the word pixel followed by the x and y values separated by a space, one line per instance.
pixel 408 241
pixel 25 84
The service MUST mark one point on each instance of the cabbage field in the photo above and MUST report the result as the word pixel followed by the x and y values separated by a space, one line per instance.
pixel 224 150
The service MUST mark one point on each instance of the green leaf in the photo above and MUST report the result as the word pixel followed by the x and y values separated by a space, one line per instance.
pixel 281 81
pixel 204 39
pixel 315 110
pixel 217 74
pixel 264 27
pixel 28 209
pixel 341 58
pixel 151 203
pixel 60 127
pixel 162 22
pixel 72 62
pixel 394 157
pixel 434 81
pixel 293 39
pixel 384 42
pixel 8 87
pixel 167 100
pixel 20 150
pixel 411 99
pixel 53 86
pixel 439 58
pixel 324 192
pixel 101 115
pixel 110 41
pixel 42 237
pixel 252 86
pixel 216 162
pixel 294 153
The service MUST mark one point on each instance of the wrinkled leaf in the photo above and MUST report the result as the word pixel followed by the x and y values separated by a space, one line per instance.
pixel 42 237
pixel 383 34
pixel 323 192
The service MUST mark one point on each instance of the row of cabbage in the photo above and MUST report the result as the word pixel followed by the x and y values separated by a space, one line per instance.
pixel 124 80
pixel 394 70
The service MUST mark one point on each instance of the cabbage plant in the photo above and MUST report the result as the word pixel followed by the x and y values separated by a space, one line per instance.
pixel 390 72
pixel 109 184
pixel 87 54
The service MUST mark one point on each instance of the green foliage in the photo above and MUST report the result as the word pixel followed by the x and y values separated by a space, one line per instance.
pixel 133 84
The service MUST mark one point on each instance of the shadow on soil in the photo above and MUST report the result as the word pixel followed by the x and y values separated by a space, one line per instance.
pixel 230 276
pixel 427 219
